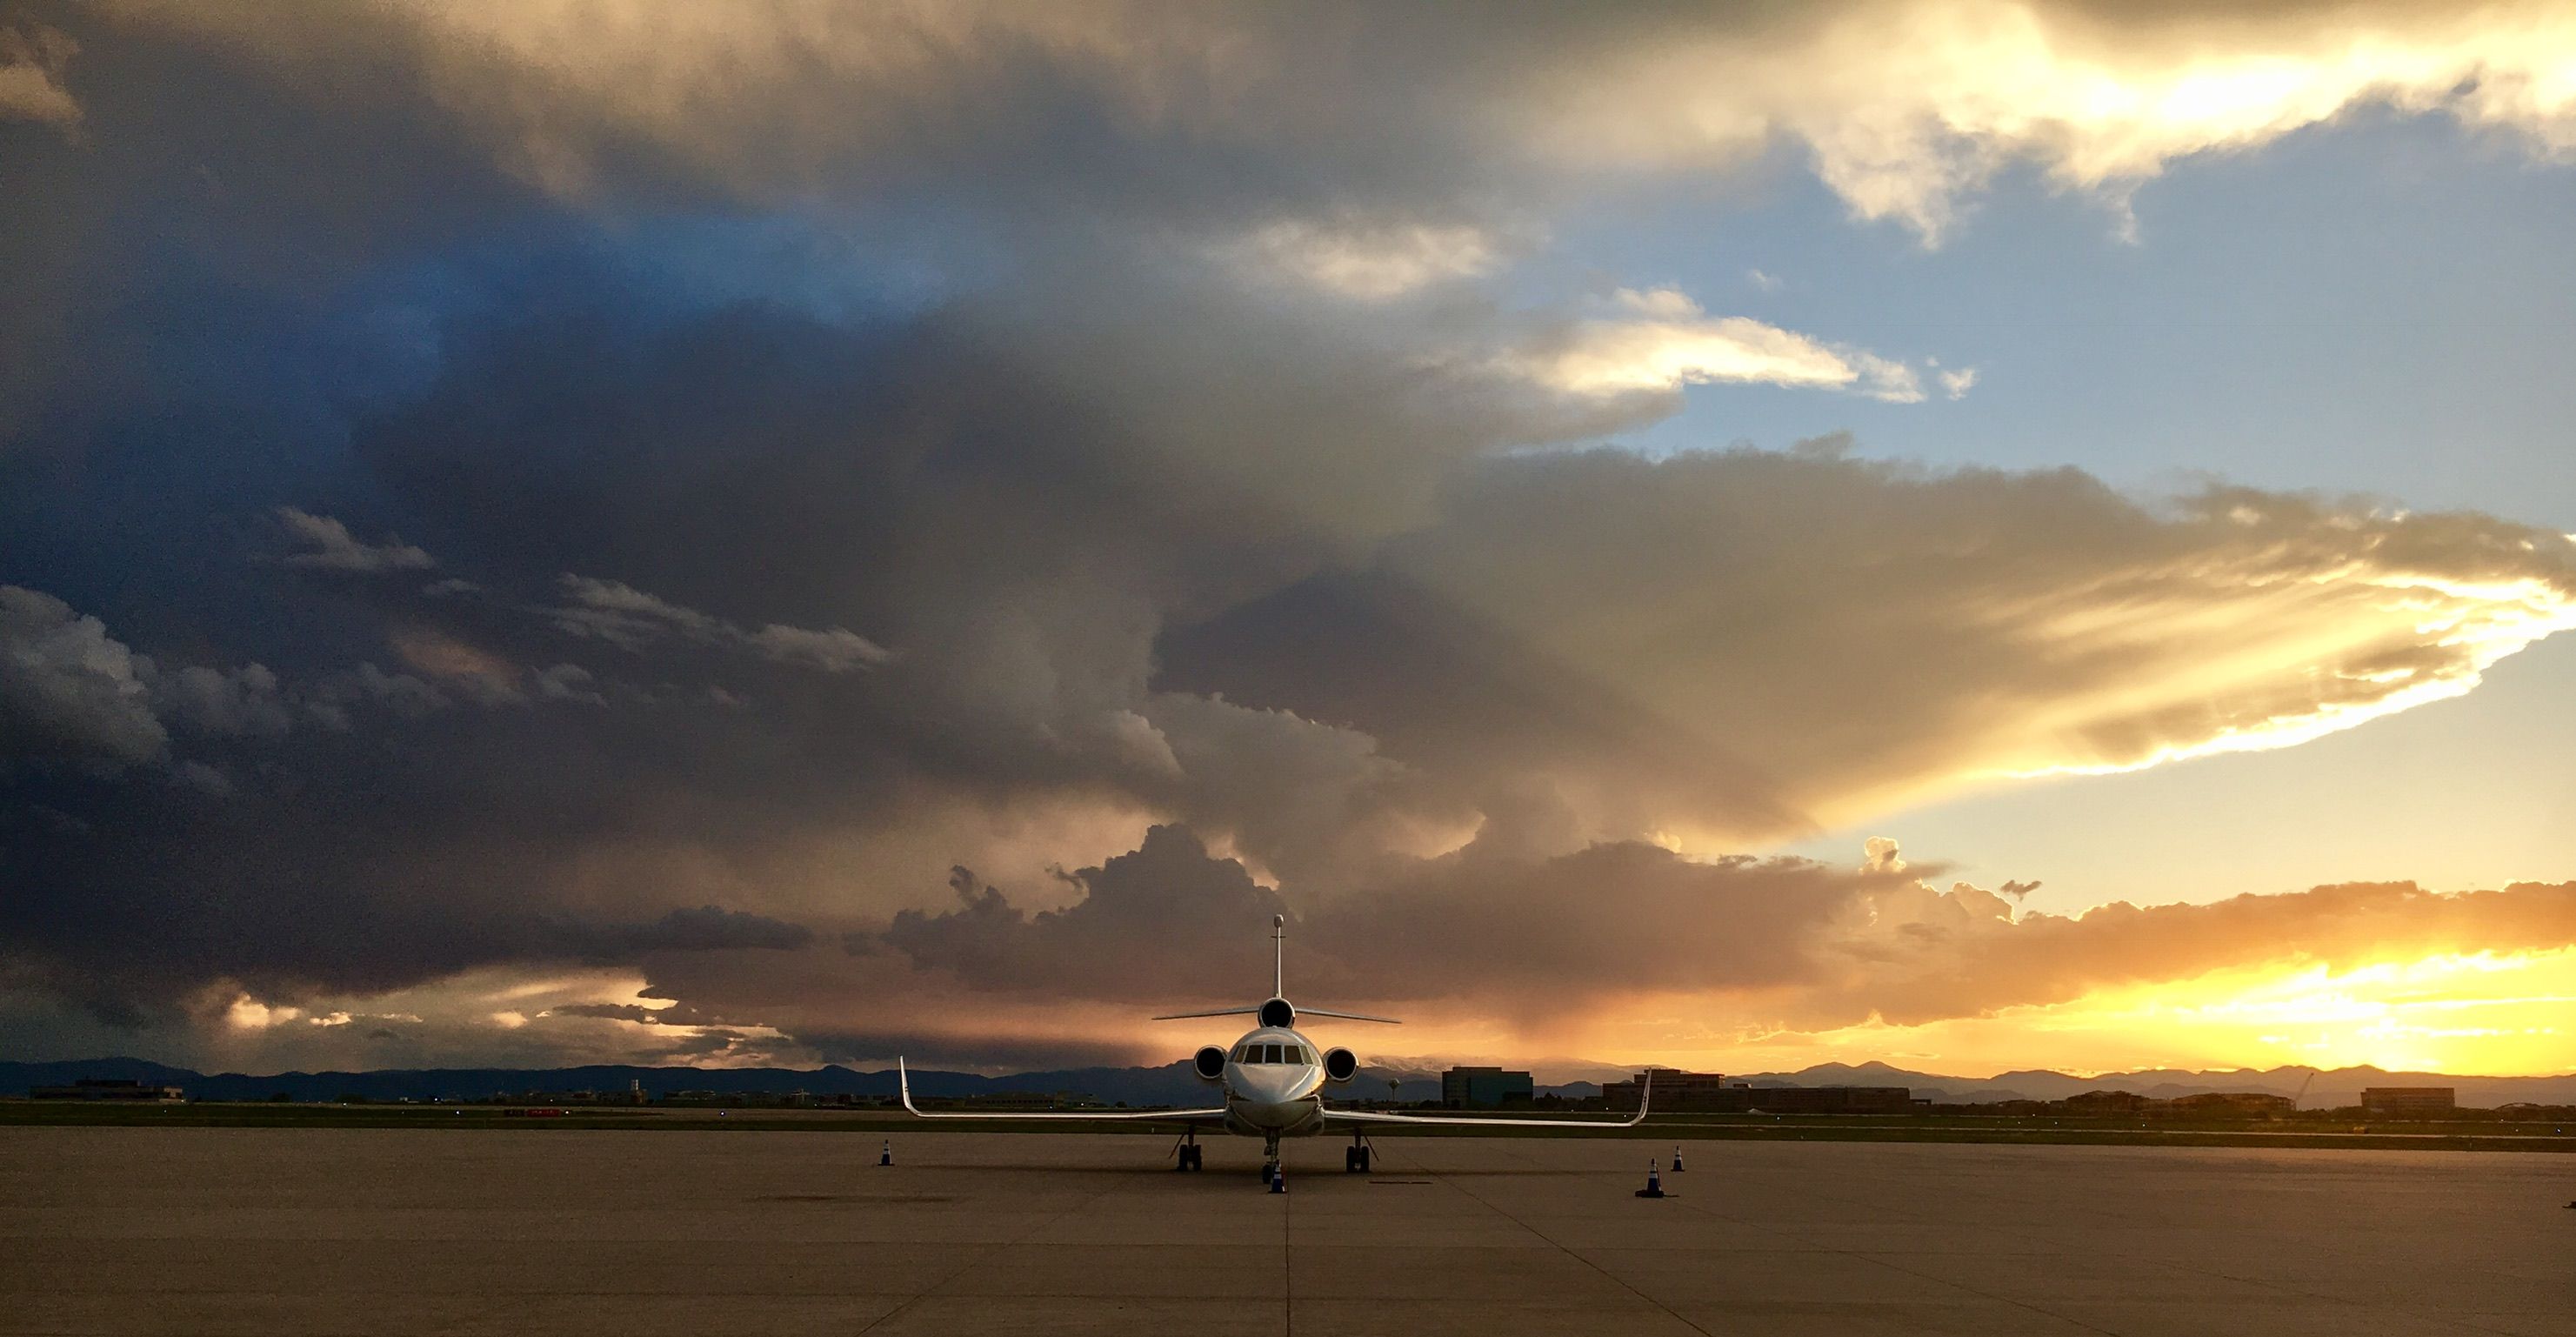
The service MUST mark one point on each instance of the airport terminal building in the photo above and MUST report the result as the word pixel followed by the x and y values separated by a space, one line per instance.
pixel 2409 1102
pixel 1485 1088
pixel 1712 1093
pixel 110 1088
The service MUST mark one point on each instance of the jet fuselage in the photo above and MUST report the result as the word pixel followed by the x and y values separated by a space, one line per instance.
pixel 1274 1084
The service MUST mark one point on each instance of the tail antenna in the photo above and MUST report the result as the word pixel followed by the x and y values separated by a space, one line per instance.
pixel 1278 956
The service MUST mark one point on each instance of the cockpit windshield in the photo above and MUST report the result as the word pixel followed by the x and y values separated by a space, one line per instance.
pixel 1264 1052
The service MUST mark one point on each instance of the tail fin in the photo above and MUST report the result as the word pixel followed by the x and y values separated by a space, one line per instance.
pixel 1278 1011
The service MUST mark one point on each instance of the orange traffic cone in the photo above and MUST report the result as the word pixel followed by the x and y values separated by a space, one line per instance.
pixel 1654 1183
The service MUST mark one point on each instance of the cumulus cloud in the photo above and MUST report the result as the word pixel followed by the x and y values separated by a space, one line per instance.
pixel 244 702
pixel 1875 634
pixel 1367 263
pixel 67 688
pixel 1879 855
pixel 1168 899
pixel 335 549
pixel 1906 107
pixel 1771 938
pixel 400 693
pixel 70 690
pixel 631 619
pixel 33 58
pixel 1661 340
pixel 567 682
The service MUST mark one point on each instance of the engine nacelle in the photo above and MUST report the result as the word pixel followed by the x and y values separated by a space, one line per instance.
pixel 1209 1062
pixel 1340 1065
pixel 1278 1012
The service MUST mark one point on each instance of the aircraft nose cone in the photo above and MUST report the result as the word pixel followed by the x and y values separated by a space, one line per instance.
pixel 1272 1087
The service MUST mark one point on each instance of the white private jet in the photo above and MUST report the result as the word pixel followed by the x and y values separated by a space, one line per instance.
pixel 1273 1083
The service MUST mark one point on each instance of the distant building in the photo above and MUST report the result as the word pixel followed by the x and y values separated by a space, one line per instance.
pixel 1711 1093
pixel 1485 1088
pixel 2230 1105
pixel 632 1095
pixel 2408 1102
pixel 737 1099
pixel 108 1088
pixel 1674 1090
pixel 2107 1102
pixel 1817 1100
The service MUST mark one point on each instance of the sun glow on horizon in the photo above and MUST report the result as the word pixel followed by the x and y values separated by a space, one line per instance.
pixel 2486 1013
pixel 2476 1013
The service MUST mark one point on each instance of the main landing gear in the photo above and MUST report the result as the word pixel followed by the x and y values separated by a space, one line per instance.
pixel 1355 1157
pixel 1188 1154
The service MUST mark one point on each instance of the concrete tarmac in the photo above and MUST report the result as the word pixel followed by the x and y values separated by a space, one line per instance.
pixel 278 1232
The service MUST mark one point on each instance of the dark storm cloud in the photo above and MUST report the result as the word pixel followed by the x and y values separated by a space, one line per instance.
pixel 607 1011
pixel 1821 947
pixel 1173 921
pixel 972 1050
pixel 1724 642
pixel 1360 660
pixel 1164 917
pixel 709 928
pixel 853 442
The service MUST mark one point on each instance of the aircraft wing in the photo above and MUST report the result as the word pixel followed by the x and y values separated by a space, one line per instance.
pixel 1645 1098
pixel 904 1081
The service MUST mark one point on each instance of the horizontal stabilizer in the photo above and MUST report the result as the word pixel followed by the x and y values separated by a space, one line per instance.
pixel 1345 1016
pixel 1263 1011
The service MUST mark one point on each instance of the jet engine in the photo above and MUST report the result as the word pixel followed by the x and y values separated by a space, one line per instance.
pixel 1341 1065
pixel 1209 1062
